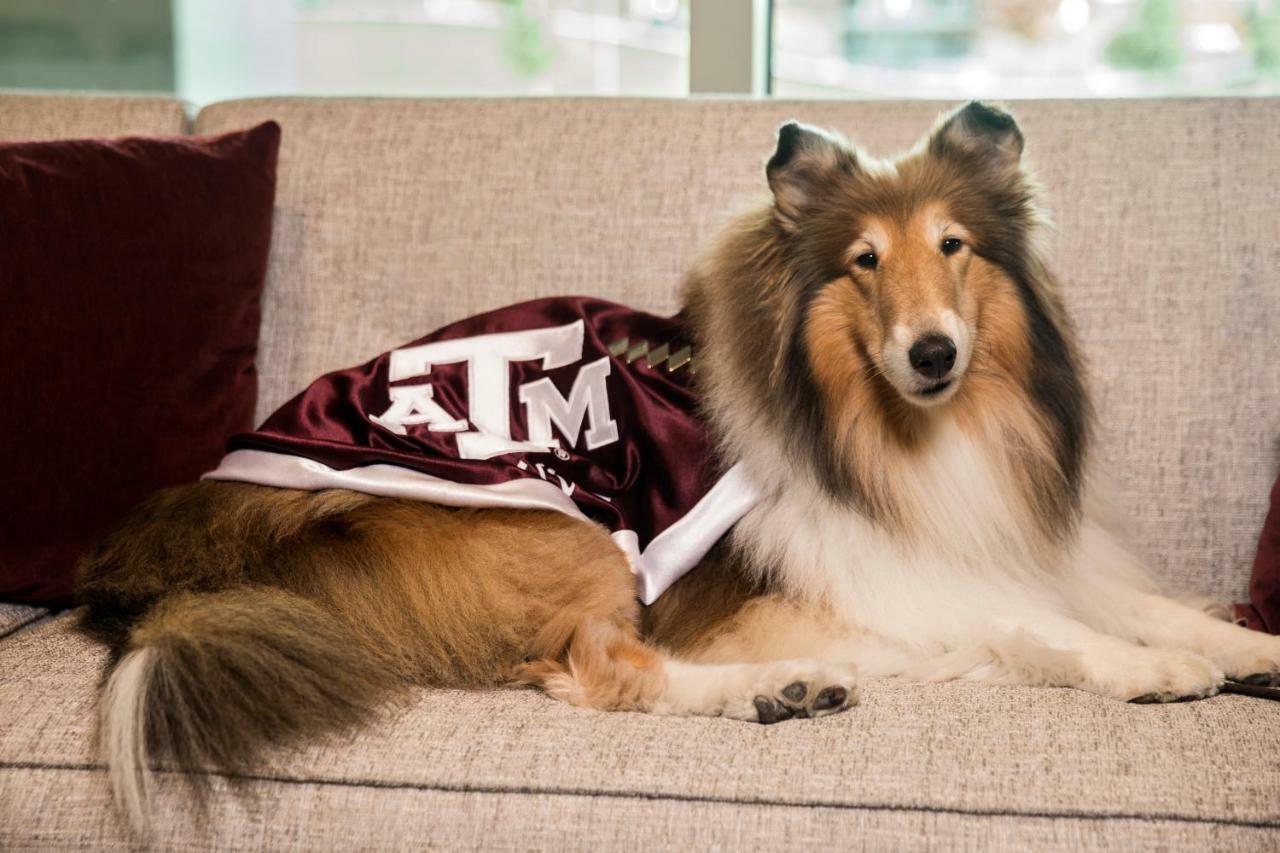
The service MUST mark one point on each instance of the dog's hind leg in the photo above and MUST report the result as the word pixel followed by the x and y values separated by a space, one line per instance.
pixel 574 585
pixel 608 667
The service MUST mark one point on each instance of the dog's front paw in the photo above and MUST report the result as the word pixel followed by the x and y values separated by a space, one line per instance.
pixel 796 689
pixel 1165 675
pixel 1251 657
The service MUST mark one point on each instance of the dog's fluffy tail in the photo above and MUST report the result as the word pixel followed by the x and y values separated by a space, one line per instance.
pixel 207 679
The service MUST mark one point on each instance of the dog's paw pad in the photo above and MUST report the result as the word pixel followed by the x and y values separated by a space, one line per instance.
pixel 769 711
pixel 830 697
pixel 795 691
pixel 804 689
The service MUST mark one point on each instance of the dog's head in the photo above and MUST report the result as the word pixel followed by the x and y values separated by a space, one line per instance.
pixel 873 300
pixel 898 255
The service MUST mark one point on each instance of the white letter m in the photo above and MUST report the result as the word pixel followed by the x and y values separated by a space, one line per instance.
pixel 589 396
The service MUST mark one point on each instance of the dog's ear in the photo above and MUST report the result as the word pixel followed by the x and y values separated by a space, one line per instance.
pixel 806 161
pixel 979 133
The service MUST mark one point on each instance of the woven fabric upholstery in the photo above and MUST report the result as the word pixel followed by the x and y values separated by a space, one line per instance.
pixel 397 216
pixel 995 768
pixel 15 616
pixel 44 116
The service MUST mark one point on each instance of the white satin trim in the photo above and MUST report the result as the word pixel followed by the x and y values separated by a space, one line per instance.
pixel 668 557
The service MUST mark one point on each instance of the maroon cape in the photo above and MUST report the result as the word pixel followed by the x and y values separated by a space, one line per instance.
pixel 570 404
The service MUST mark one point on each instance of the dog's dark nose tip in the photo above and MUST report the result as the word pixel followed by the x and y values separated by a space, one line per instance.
pixel 933 356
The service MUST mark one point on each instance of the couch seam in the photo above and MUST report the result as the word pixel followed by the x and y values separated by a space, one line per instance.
pixel 684 798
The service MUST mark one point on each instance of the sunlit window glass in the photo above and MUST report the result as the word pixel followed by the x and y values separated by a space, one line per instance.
pixel 951 49
pixel 209 50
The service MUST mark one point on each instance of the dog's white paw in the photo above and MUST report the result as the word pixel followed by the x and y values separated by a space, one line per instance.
pixel 1159 675
pixel 1251 657
pixel 794 689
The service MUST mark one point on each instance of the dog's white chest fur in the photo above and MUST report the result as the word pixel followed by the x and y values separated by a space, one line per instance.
pixel 969 546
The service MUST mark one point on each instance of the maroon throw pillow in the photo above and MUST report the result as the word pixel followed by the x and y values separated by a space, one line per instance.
pixel 1263 610
pixel 130 278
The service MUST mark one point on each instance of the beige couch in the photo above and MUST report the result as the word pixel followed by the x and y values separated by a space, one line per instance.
pixel 394 216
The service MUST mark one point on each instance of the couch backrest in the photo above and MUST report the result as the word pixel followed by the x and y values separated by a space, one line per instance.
pixel 395 216
pixel 25 116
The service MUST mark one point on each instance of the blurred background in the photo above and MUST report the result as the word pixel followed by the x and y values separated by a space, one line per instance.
pixel 206 50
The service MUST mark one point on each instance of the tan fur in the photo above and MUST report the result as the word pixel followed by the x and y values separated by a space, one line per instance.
pixel 244 616
pixel 606 667
pixel 518 583
pixel 878 424
pixel 703 603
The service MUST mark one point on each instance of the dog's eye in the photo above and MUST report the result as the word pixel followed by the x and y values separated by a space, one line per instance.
pixel 867 260
pixel 951 245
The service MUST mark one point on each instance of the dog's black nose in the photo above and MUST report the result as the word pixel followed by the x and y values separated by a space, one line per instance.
pixel 933 356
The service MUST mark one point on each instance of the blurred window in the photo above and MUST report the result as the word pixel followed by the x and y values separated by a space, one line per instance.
pixel 87 44
pixel 208 50
pixel 951 49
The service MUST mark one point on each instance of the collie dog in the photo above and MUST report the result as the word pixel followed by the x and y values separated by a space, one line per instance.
pixel 882 348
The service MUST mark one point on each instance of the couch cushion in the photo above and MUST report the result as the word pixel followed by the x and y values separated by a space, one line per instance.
pixel 397 216
pixel 133 270
pixel 1003 768
pixel 44 116
pixel 15 616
